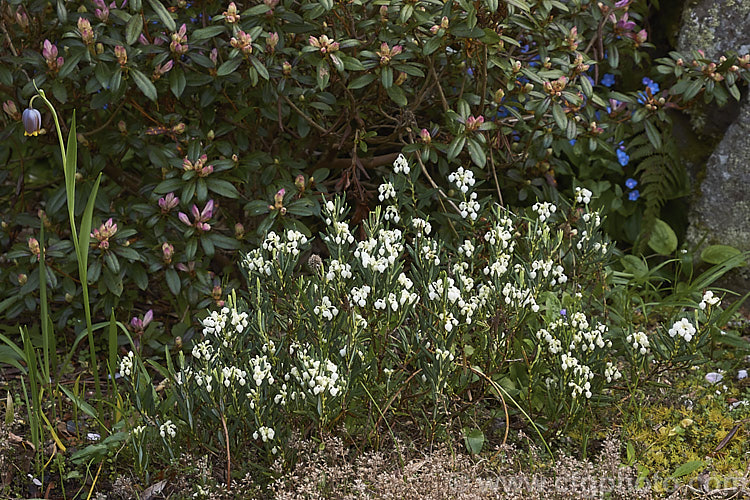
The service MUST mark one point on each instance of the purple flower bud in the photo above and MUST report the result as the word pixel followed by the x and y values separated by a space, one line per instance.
pixel 184 218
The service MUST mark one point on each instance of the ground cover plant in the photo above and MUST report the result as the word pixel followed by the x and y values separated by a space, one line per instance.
pixel 310 221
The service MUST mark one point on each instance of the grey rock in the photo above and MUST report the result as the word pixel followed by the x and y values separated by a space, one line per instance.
pixel 720 214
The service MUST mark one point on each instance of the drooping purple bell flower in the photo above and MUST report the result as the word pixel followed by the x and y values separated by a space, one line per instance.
pixel 32 121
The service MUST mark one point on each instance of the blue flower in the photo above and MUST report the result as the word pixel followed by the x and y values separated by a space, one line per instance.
pixel 633 195
pixel 572 142
pixel 591 80
pixel 470 71
pixel 608 80
pixel 622 157
pixel 631 183
pixel 563 312
pixel 650 84
pixel 502 112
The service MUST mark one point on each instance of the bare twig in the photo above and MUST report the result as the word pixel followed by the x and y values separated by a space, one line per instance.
pixel 229 457
pixel 494 175
pixel 309 120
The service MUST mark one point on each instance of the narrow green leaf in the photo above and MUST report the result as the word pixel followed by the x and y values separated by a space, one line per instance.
pixel 653 134
pixel 260 68
pixel 206 33
pixel 173 281
pixel 386 77
pixel 71 159
pixel 687 468
pixel 85 234
pixel 229 66
pixel 456 146
pixel 133 29
pixel 476 152
pixel 80 403
pixel 163 14
pixel 559 115
pixel 177 82
pixel 323 74
pixel 144 84
pixel 397 95
pixel 112 345
pixel 361 81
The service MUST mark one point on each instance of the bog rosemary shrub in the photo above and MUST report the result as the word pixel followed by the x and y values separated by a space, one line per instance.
pixel 391 319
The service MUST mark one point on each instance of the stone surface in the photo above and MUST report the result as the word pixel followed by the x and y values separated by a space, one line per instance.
pixel 720 214
pixel 715 26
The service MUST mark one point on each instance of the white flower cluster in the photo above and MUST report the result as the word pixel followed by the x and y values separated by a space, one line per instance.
pixel 547 268
pixel 519 297
pixel 544 210
pixel 359 295
pixel 553 345
pixel 386 191
pixel 203 379
pixel 326 309
pixel 255 262
pixel 582 373
pixel 215 322
pixel 168 429
pixel 436 289
pixel 340 232
pixel 639 341
pixel 611 372
pixel 470 208
pixel 261 369
pixel 466 248
pixel 293 244
pixel 501 235
pixel 449 320
pixel 231 374
pixel 401 165
pixel 586 338
pixel 442 355
pixel 126 365
pixel 421 226
pixel 203 350
pixel 316 376
pixel 336 268
pixel 709 300
pixel 684 329
pixel 583 195
pixel 430 252
pixel 265 433
pixel 589 216
pixel 463 179
pixel 391 213
pixel 498 267
pixel 382 253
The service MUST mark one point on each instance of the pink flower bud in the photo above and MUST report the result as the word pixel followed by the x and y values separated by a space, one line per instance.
pixel 34 246
pixel 167 252
pixel 425 136
pixel 10 109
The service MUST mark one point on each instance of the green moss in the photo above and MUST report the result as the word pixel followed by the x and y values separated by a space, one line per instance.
pixel 667 436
